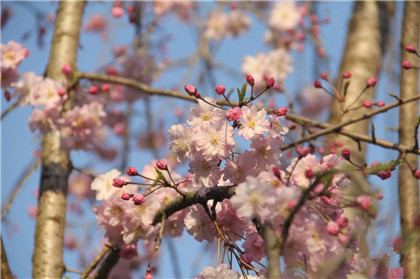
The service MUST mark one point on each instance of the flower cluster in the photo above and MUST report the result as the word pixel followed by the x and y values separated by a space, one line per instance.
pixel 220 25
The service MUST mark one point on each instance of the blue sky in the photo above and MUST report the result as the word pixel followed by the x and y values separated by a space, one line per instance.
pixel 18 143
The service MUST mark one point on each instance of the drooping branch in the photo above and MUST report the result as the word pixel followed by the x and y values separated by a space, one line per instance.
pixel 352 135
pixel 408 186
pixel 50 223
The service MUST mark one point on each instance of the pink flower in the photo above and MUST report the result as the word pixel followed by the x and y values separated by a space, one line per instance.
pixel 199 225
pixel 238 23
pixel 12 55
pixel 254 244
pixel 205 172
pixel 103 184
pixel 254 122
pixel 216 25
pixel 205 113
pixel 364 201
pixel 221 271
pixel 234 114
pixel 117 12
pixel 96 23
pixel 180 141
pixel 214 141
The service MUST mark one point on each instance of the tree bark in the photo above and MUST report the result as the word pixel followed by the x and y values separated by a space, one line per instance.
pixel 408 185
pixel 48 253
pixel 5 269
pixel 367 35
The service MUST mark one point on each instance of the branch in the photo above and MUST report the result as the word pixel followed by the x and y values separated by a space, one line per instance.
pixel 110 261
pixel 336 128
pixel 26 174
pixel 218 193
pixel 9 109
pixel 273 252
pixel 290 116
pixel 408 185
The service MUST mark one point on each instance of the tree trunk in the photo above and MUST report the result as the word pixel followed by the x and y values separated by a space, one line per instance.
pixel 367 36
pixel 408 185
pixel 48 253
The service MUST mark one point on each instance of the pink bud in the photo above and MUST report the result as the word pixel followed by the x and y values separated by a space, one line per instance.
pixel 333 228
pixel 302 151
pixel 416 173
pixel 317 84
pixel 119 129
pixel 270 82
pixel 125 196
pixel 118 182
pixel 314 18
pixel 25 52
pixel 7 95
pixel 371 82
pixel 342 222
pixel 292 127
pixel 220 90
pixel 321 51
pixel 406 65
pixel 138 199
pixel 191 90
pixel 347 75
pixel 364 201
pixel 93 90
pixel 234 114
pixel 111 70
pixel 61 92
pixel 132 171
pixel 250 80
pixel 380 103
pixel 367 104
pixel 148 275
pixel 324 76
pixel 410 49
pixel 281 111
pixel 105 87
pixel 117 12
pixel 384 174
pixel 197 95
pixel 162 165
pixel 131 9
pixel 277 172
pixel 66 69
pixel 345 153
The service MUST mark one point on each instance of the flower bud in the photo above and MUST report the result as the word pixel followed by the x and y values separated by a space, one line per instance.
pixel 345 153
pixel 380 103
pixel 117 12
pixel 406 65
pixel 309 174
pixel 277 172
pixel 138 199
pixel 125 196
pixel 93 90
pixel 61 92
pixel 347 75
pixel 270 82
pixel 66 69
pixel 317 84
pixel 291 204
pixel 410 49
pixel 132 171
pixel 162 165
pixel 105 87
pixel 324 76
pixel 342 222
pixel 118 182
pixel 250 80
pixel 220 90
pixel 384 174
pixel 367 104
pixel 281 111
pixel 333 228
pixel 191 90
pixel 371 82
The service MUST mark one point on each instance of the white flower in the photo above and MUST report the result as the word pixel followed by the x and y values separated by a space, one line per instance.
pixel 205 113
pixel 254 122
pixel 180 140
pixel 284 16
pixel 214 141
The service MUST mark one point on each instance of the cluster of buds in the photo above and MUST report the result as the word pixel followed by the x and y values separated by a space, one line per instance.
pixel 406 65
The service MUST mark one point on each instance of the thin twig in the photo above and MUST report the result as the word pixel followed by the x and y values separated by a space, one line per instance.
pixel 9 109
pixel 95 262
pixel 26 174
